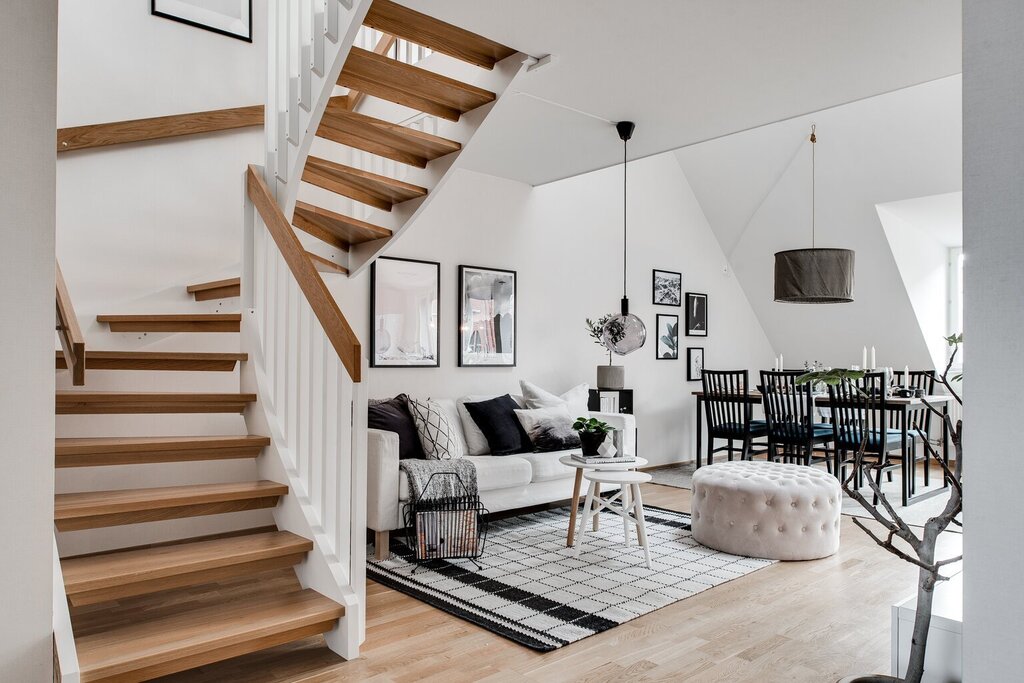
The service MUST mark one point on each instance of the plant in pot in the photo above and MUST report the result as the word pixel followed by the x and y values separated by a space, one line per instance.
pixel 592 433
pixel 918 550
pixel 608 376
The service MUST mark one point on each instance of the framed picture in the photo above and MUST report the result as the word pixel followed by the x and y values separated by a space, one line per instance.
pixel 667 288
pixel 667 347
pixel 696 315
pixel 694 363
pixel 404 308
pixel 227 17
pixel 487 317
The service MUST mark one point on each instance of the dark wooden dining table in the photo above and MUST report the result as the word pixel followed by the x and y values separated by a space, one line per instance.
pixel 894 404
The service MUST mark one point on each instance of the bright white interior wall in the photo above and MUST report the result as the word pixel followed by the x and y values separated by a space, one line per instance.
pixel 28 66
pixel 994 249
pixel 563 240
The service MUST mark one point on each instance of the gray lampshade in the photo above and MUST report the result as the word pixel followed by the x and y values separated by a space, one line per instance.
pixel 814 276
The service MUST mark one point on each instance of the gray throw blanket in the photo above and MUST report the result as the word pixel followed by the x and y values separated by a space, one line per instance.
pixel 443 486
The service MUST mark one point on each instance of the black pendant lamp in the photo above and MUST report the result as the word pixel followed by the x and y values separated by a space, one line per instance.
pixel 624 332
pixel 815 275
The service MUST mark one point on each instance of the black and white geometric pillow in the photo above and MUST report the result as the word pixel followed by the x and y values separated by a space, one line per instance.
pixel 438 436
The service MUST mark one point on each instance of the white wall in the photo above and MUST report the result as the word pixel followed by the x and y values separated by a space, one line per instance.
pixel 564 240
pixel 28 67
pixel 994 322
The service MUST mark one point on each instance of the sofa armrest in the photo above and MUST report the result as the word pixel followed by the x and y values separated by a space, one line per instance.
pixel 624 422
pixel 382 482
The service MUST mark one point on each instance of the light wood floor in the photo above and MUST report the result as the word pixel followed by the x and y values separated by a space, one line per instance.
pixel 793 622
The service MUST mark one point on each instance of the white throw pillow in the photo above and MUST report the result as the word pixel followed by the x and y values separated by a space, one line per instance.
pixel 550 429
pixel 476 442
pixel 575 400
pixel 439 437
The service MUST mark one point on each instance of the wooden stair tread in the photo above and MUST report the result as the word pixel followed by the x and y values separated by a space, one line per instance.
pixel 397 20
pixel 346 230
pixel 217 289
pixel 326 265
pixel 148 648
pixel 410 86
pixel 376 190
pixel 93 451
pixel 93 402
pixel 390 140
pixel 173 322
pixel 157 360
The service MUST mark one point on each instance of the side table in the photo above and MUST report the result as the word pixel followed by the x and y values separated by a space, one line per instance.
pixel 569 461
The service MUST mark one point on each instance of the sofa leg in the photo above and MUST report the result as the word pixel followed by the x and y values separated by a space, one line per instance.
pixel 382 545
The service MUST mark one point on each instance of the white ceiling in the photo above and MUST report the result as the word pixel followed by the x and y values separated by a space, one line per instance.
pixel 688 70
pixel 940 216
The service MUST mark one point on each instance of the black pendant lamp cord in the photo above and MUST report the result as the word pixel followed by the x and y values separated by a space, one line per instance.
pixel 625 146
pixel 814 139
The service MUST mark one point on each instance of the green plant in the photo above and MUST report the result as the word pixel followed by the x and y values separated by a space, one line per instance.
pixel 591 426
pixel 671 341
pixel 596 330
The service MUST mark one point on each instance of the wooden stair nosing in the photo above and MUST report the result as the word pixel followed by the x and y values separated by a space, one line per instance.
pixel 118 574
pixel 157 360
pixel 217 289
pixel 146 649
pixel 173 322
pixel 326 265
pixel 390 140
pixel 397 20
pixel 410 86
pixel 345 228
pixel 375 190
pixel 101 451
pixel 114 402
pixel 94 509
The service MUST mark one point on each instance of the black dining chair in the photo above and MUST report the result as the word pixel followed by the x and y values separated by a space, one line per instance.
pixel 793 433
pixel 921 417
pixel 729 414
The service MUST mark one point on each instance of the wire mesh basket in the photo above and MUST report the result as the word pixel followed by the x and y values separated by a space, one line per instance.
pixel 445 527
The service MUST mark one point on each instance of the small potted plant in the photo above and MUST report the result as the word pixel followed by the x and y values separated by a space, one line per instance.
pixel 592 433
pixel 608 376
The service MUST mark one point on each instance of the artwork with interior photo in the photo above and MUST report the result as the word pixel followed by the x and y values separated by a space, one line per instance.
pixel 667 288
pixel 696 314
pixel 404 295
pixel 487 317
pixel 694 363
pixel 228 17
pixel 667 327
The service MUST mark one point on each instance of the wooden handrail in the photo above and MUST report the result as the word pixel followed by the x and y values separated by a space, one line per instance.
pixel 384 44
pixel 71 338
pixel 325 308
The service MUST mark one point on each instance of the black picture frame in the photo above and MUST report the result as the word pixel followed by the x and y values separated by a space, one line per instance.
pixel 694 363
pixel 665 292
pixel 160 8
pixel 464 336
pixel 666 344
pixel 376 310
pixel 696 314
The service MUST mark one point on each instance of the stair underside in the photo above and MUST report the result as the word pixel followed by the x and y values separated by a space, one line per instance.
pixel 334 228
pixel 375 190
pixel 99 402
pixel 218 289
pixel 94 509
pixel 176 322
pixel 401 143
pixel 149 360
pixel 109 576
pixel 396 20
pixel 101 451
pixel 148 648
pixel 326 265
pixel 410 86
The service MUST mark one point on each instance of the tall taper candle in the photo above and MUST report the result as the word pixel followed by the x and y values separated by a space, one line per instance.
pixel 873 366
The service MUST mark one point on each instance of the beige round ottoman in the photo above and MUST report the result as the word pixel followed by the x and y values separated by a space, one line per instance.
pixel 767 509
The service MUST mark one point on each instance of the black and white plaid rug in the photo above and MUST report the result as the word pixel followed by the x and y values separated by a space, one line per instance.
pixel 531 590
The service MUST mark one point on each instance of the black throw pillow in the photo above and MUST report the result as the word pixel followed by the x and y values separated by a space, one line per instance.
pixel 393 415
pixel 497 419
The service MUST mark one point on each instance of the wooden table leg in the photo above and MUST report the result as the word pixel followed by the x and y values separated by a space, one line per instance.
pixel 575 506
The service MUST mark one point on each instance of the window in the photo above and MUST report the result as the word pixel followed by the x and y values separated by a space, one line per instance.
pixel 955 313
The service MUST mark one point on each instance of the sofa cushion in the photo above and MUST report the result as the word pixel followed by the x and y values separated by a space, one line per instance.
pixel 492 473
pixel 546 466
pixel 549 429
pixel 476 442
pixel 496 418
pixel 392 415
pixel 437 430
pixel 575 400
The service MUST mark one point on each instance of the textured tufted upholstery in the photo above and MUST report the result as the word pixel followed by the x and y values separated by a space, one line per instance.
pixel 767 509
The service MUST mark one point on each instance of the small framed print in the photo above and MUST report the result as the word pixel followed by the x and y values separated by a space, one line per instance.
pixel 487 317
pixel 694 363
pixel 227 17
pixel 696 314
pixel 667 327
pixel 667 288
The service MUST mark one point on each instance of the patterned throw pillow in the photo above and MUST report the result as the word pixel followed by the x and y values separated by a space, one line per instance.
pixel 550 429
pixel 437 435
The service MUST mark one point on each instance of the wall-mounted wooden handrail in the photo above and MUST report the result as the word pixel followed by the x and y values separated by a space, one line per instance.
pixel 384 45
pixel 333 321
pixel 71 338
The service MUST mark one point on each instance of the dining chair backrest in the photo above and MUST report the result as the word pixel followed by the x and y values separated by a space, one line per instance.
pixel 725 399
pixel 788 407
pixel 859 408
pixel 921 417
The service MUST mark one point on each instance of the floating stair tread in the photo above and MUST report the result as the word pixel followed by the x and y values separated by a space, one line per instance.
pixel 146 649
pixel 376 190
pixel 326 265
pixel 410 86
pixel 349 230
pixel 390 140
pixel 92 451
pixel 217 289
pixel 92 402
pixel 397 20
pixel 173 322
pixel 157 360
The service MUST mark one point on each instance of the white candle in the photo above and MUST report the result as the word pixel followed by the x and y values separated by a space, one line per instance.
pixel 873 366
pixel 906 375
pixel 781 365
pixel 864 359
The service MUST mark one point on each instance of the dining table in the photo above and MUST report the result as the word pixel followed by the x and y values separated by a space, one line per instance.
pixel 897 405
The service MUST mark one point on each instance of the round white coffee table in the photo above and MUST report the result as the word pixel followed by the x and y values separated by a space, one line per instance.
pixel 569 461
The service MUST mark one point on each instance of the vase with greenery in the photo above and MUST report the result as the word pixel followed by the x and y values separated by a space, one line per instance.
pixel 608 376
pixel 592 433
pixel 918 550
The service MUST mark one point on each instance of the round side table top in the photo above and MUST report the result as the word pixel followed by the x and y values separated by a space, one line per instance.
pixel 572 462
pixel 612 477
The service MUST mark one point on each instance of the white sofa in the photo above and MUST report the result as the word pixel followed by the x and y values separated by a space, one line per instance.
pixel 506 482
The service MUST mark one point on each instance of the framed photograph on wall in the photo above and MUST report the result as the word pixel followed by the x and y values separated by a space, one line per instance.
pixel 667 288
pixel 694 363
pixel 696 314
pixel 228 17
pixel 404 313
pixel 487 317
pixel 667 327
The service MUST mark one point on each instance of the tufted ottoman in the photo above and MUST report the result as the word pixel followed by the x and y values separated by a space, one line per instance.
pixel 767 509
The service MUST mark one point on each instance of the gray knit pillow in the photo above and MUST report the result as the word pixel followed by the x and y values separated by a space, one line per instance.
pixel 437 434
